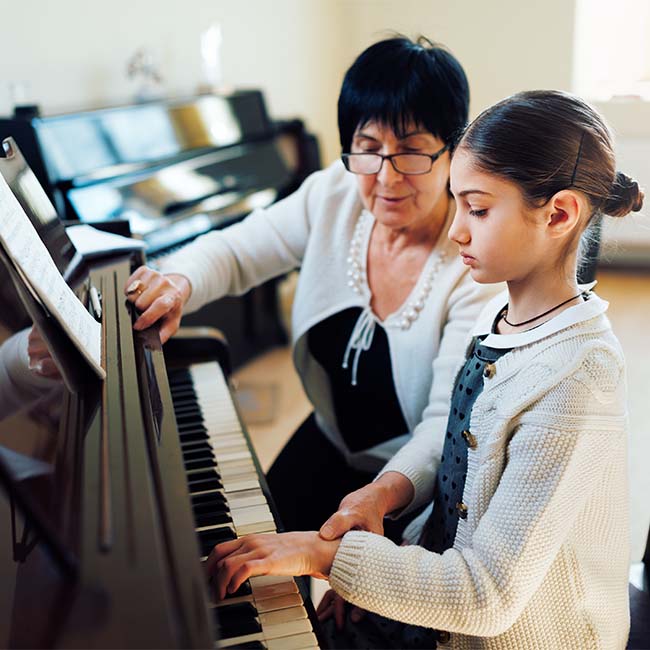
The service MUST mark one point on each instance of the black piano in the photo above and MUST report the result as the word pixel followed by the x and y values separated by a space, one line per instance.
pixel 168 171
pixel 103 538
pixel 152 468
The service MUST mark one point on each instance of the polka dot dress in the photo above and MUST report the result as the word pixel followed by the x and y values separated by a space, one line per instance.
pixel 440 529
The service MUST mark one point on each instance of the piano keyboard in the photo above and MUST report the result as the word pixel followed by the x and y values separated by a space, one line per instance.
pixel 228 502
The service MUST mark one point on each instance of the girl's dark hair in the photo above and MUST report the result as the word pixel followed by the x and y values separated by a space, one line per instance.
pixel 397 82
pixel 546 141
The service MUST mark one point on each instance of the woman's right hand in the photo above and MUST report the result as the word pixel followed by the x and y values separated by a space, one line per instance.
pixel 365 509
pixel 159 297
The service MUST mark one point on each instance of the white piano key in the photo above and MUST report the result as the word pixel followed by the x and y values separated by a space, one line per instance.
pixel 281 587
pixel 243 466
pixel 280 608
pixel 256 528
pixel 263 606
pixel 278 616
pixel 243 484
pixel 246 498
pixel 243 516
pixel 287 628
pixel 295 642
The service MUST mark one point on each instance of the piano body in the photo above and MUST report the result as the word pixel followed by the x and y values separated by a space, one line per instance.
pixel 101 543
pixel 170 171
pixel 152 468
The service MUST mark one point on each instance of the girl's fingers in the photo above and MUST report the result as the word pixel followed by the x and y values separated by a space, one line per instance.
pixel 226 570
pixel 221 551
pixel 246 570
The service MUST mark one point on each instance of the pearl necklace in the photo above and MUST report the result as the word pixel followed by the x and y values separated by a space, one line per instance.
pixel 357 273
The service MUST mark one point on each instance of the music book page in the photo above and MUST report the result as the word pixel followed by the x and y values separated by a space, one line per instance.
pixel 30 256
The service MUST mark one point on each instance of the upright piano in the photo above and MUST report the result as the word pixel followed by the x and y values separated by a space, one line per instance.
pixel 102 541
pixel 168 171
pixel 152 468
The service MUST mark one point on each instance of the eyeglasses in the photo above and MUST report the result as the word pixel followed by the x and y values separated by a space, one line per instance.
pixel 409 164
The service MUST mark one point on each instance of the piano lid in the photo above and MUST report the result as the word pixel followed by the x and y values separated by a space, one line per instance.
pixel 88 146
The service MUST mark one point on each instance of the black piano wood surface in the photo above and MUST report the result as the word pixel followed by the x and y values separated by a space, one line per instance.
pixel 119 501
pixel 122 507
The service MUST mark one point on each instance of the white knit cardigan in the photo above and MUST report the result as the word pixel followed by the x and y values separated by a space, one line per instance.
pixel 542 559
pixel 312 230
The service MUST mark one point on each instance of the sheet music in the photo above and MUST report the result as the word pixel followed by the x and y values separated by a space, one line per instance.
pixel 31 257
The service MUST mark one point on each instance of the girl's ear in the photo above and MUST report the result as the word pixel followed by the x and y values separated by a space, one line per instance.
pixel 564 210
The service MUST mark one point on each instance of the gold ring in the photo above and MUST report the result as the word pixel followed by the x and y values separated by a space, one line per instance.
pixel 135 287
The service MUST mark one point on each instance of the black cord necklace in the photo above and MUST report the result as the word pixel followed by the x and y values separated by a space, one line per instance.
pixel 504 313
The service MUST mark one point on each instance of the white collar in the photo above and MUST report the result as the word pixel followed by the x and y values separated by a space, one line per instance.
pixel 586 310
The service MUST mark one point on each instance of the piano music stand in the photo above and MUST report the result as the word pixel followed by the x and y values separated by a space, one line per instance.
pixel 75 371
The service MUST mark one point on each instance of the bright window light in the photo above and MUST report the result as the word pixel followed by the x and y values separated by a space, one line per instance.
pixel 612 49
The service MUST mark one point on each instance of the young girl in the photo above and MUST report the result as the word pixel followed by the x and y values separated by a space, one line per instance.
pixel 526 545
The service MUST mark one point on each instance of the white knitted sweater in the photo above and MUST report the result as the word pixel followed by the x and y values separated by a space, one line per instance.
pixel 542 559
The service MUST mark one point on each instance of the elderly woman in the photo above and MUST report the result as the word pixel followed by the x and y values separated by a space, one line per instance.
pixel 383 303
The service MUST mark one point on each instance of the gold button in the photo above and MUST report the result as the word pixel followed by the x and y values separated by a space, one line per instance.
pixel 444 636
pixel 462 510
pixel 470 439
pixel 489 371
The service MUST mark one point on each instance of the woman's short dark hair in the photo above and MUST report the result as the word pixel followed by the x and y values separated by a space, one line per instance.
pixel 398 82
pixel 546 141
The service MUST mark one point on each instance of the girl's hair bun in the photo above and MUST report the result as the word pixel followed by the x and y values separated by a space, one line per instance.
pixel 624 197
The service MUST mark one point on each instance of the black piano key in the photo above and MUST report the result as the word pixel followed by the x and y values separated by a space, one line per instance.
pixel 200 448
pixel 218 514
pixel 192 430
pixel 182 396
pixel 205 484
pixel 208 508
pixel 182 392
pixel 199 463
pixel 184 404
pixel 211 497
pixel 197 476
pixel 208 539
pixel 212 500
pixel 204 480
pixel 196 436
pixel 194 453
pixel 237 620
pixel 186 418
pixel 191 427
pixel 212 519
pixel 245 589
pixel 182 389
pixel 198 453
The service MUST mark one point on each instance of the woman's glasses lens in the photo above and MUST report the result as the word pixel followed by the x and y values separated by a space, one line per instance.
pixel 403 163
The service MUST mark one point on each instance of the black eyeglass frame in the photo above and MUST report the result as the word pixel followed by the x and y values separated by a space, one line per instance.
pixel 390 157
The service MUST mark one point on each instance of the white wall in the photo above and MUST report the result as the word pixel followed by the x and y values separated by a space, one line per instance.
pixel 504 46
pixel 73 53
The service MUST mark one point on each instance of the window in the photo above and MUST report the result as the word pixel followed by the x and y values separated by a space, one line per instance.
pixel 612 49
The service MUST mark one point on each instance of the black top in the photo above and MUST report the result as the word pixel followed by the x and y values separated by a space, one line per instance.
pixel 368 413
pixel 439 531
